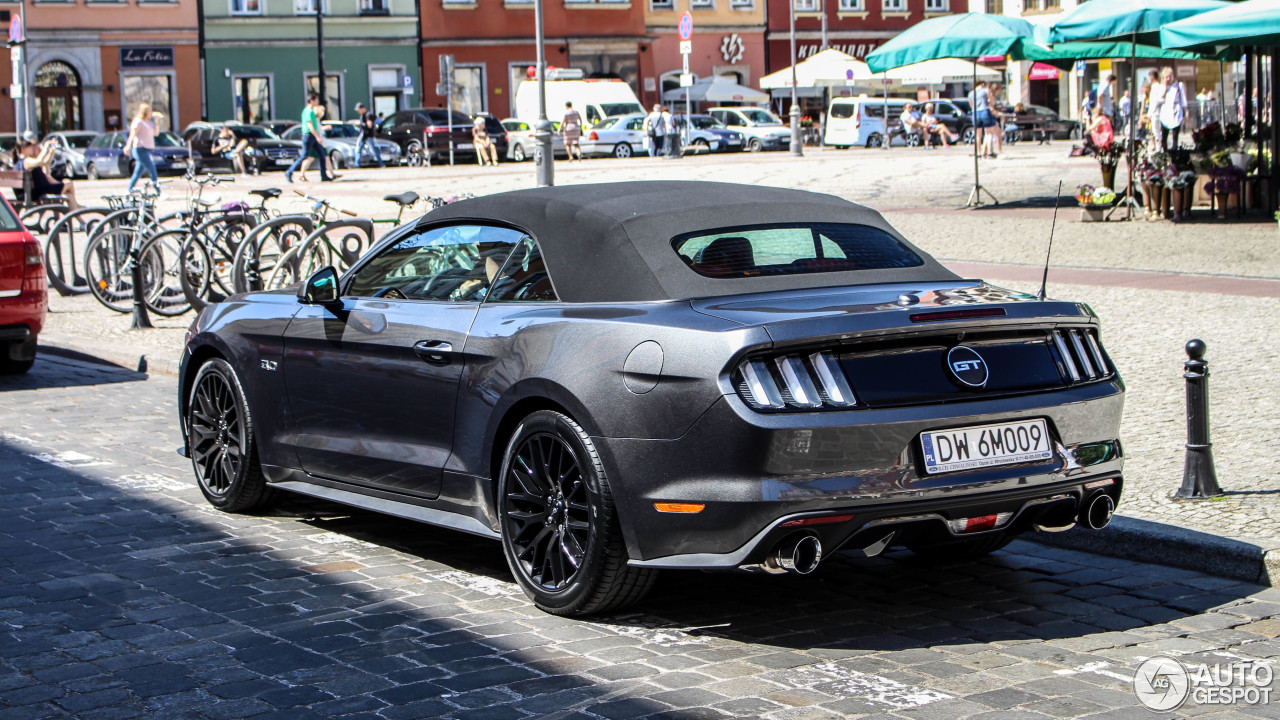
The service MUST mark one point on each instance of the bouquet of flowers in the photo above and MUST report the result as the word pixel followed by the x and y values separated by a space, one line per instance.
pixel 1152 174
pixel 1090 195
pixel 1109 154
pixel 1181 180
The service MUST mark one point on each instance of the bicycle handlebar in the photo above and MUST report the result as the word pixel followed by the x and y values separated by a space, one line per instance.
pixel 325 203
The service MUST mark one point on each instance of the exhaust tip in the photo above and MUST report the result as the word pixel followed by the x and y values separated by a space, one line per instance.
pixel 1098 515
pixel 800 554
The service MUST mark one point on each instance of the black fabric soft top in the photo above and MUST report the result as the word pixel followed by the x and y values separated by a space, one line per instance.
pixel 612 242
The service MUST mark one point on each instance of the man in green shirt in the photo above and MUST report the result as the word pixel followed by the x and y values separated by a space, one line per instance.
pixel 312 139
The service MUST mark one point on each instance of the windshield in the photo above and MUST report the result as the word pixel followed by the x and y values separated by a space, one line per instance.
pixel 622 108
pixel 609 124
pixel 252 132
pixel 341 131
pixel 705 122
pixel 168 139
pixel 760 117
pixel 792 249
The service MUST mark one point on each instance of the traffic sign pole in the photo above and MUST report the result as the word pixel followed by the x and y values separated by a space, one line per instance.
pixel 686 47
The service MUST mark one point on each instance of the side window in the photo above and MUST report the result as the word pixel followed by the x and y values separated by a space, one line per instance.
pixel 117 140
pixel 593 115
pixel 456 263
pixel 524 278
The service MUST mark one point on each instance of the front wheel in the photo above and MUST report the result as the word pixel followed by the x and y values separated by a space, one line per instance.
pixel 220 441
pixel 755 145
pixel 967 135
pixel 91 173
pixel 335 161
pixel 622 150
pixel 560 530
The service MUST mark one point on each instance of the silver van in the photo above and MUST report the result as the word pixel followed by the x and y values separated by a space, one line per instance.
pixel 860 121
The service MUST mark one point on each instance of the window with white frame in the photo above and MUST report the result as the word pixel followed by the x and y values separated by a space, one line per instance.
pixel 851 5
pixel 806 5
pixel 995 7
pixel 895 5
pixel 702 3
pixel 742 4
pixel 375 7
pixel 661 5
pixel 935 5
pixel 308 7
pixel 246 7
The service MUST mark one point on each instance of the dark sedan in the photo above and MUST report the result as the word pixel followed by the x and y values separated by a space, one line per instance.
pixel 612 379
pixel 434 129
pixel 264 150
pixel 105 156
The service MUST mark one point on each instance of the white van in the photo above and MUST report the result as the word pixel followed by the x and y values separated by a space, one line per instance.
pixel 860 121
pixel 594 99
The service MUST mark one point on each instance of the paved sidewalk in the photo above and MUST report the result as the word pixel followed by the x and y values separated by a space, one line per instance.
pixel 1155 286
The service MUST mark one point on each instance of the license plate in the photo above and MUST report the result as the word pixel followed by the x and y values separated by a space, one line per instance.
pixel 985 446
pixel 466 146
pixel 179 165
pixel 282 161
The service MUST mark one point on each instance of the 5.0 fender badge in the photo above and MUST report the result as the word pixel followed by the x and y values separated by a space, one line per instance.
pixel 270 365
pixel 967 366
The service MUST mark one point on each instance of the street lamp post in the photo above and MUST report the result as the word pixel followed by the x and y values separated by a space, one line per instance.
pixel 320 53
pixel 543 157
pixel 795 103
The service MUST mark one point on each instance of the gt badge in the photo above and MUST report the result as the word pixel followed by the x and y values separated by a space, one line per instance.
pixel 967 366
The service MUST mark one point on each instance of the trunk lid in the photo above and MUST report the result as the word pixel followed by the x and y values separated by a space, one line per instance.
pixel 13 259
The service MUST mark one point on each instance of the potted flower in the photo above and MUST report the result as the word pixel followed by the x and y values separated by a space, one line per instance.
pixel 1108 157
pixel 1094 201
pixel 1180 183
pixel 1153 181
pixel 1225 182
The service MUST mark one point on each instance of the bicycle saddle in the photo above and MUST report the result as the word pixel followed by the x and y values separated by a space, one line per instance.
pixel 267 194
pixel 404 199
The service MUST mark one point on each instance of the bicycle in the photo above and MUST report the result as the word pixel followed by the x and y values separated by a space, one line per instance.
pixel 110 256
pixel 209 253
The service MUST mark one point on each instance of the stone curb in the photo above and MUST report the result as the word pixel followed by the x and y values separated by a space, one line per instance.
pixel 1146 541
pixel 66 346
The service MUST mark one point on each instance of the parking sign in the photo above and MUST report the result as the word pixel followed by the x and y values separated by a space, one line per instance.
pixel 686 26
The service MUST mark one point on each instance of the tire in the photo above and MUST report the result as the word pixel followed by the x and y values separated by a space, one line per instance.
pixel 755 145
pixel 9 366
pixel 64 250
pixel 335 161
pixel 1075 133
pixel 91 172
pixel 564 547
pixel 414 154
pixel 622 150
pixel 702 145
pixel 106 267
pixel 517 153
pixel 163 258
pixel 220 442
pixel 875 140
pixel 960 550
pixel 967 135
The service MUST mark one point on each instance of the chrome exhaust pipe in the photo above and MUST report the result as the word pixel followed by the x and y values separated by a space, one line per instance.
pixel 799 554
pixel 1098 514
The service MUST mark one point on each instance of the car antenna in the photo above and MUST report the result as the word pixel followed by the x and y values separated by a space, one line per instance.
pixel 1044 279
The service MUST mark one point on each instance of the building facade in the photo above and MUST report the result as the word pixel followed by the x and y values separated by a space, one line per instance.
pixel 853 26
pixel 89 64
pixel 492 43
pixel 262 57
pixel 728 40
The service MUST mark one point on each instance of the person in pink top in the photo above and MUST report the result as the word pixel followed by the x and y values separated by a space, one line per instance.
pixel 142 140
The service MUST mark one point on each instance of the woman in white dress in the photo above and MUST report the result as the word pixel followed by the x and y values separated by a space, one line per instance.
pixel 1173 109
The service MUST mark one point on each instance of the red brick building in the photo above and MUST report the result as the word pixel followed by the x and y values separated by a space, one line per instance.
pixel 853 26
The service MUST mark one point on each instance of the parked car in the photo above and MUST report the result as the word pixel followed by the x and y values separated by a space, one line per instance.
pixel 622 136
pixel 409 129
pixel 521 143
pixel 1038 122
pixel 615 378
pixel 267 151
pixel 762 129
pixel 341 141
pixel 951 113
pixel 713 136
pixel 860 122
pixel 105 156
pixel 277 126
pixel 24 293
pixel 71 146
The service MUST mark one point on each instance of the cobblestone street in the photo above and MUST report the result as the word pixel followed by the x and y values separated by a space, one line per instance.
pixel 123 594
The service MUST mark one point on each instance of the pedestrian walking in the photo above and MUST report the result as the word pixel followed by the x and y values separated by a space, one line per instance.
pixel 655 131
pixel 142 140
pixel 571 131
pixel 672 142
pixel 368 135
pixel 312 141
pixel 1154 97
pixel 1126 109
pixel 1173 109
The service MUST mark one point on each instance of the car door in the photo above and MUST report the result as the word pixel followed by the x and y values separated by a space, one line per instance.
pixel 372 380
pixel 633 131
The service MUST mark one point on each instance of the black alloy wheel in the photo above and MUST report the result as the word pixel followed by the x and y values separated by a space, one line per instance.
pixel 220 441
pixel 560 532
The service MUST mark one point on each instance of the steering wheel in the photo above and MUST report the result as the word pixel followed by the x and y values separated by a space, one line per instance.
pixel 390 292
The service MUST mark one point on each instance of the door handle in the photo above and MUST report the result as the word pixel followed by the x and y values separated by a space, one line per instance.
pixel 434 352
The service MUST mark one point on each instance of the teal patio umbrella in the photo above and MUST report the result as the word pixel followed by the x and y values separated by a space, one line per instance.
pixel 966 36
pixel 1064 55
pixel 1255 22
pixel 1137 21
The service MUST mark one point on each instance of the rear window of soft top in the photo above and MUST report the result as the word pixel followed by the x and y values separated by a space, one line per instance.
pixel 792 249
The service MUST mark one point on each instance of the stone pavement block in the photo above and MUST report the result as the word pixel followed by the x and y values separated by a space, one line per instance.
pixel 634 707
pixel 1004 699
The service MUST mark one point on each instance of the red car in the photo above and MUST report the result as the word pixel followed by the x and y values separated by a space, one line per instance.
pixel 23 298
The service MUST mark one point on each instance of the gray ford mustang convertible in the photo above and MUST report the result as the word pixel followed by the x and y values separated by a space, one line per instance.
pixel 613 379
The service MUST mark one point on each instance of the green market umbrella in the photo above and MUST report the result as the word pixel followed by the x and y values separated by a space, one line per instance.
pixel 1256 22
pixel 967 36
pixel 1064 55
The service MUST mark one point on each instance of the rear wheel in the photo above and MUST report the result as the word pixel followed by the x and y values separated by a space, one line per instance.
pixel 335 161
pixel 959 550
pixel 875 140
pixel 622 150
pixel 414 154
pixel 560 530
pixel 517 153
pixel 17 357
pixel 220 441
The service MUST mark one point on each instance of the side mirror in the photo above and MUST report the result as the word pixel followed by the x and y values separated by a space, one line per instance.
pixel 321 288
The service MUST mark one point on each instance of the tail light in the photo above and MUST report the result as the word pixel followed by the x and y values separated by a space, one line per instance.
pixel 34 261
pixel 805 382
pixel 594 136
pixel 436 130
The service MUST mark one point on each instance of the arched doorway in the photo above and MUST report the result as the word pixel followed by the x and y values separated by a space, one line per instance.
pixel 58 98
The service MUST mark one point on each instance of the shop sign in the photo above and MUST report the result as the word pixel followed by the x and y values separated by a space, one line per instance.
pixel 858 50
pixel 1041 71
pixel 146 57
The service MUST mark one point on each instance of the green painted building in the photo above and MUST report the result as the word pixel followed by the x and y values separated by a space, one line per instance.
pixel 260 57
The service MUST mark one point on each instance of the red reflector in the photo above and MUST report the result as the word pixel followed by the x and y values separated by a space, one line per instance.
pixel 957 314
pixel 978 524
pixel 824 520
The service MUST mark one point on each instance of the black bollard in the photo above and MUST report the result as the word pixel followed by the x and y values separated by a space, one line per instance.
pixel 1199 480
pixel 141 320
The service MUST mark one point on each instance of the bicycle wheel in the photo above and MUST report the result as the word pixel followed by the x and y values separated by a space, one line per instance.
pixel 195 276
pixel 262 250
pixel 106 268
pixel 162 268
pixel 64 250
pixel 221 237
pixel 40 219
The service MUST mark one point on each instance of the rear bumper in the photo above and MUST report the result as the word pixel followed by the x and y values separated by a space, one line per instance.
pixel 754 471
